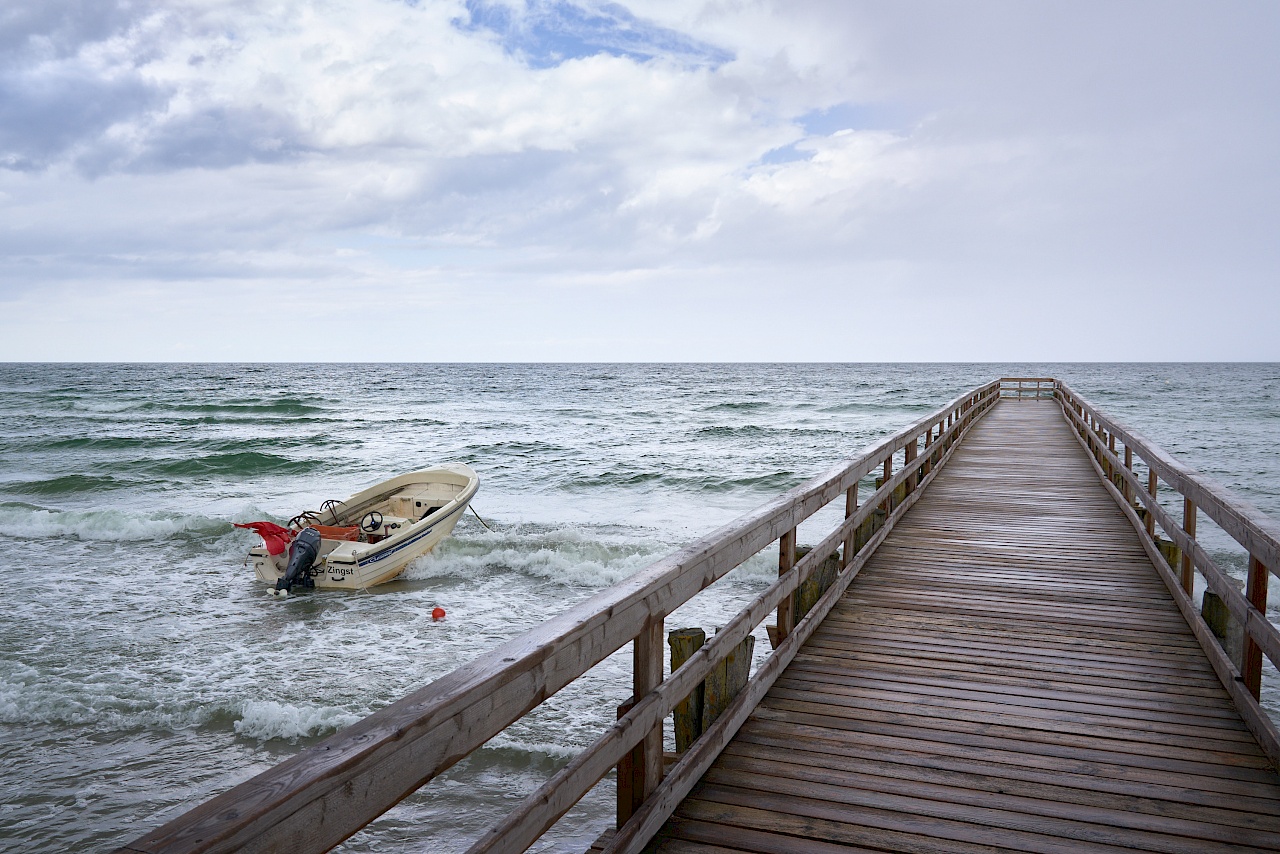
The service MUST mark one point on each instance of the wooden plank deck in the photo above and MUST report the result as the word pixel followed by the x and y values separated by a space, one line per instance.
pixel 1008 673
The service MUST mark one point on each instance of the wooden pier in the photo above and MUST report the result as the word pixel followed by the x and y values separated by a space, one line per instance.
pixel 1008 672
pixel 1006 656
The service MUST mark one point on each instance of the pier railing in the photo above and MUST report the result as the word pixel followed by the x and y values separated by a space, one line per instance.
pixel 1030 387
pixel 326 793
pixel 1115 450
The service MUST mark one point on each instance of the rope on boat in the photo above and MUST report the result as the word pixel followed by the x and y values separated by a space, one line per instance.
pixel 477 515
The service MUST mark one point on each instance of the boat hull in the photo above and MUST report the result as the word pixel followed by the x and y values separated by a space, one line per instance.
pixel 441 495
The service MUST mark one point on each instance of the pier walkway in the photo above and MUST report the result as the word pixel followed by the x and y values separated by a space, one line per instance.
pixel 998 648
pixel 1008 672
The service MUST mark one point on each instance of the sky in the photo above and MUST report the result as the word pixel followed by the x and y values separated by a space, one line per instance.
pixel 571 180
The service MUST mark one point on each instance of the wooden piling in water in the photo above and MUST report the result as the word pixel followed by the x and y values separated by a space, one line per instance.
pixel 688 712
pixel 697 712
pixel 1225 628
pixel 725 680
pixel 815 585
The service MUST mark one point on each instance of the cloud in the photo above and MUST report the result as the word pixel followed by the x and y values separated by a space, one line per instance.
pixel 60 83
pixel 576 159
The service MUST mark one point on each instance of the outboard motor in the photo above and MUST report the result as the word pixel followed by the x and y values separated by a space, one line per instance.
pixel 302 554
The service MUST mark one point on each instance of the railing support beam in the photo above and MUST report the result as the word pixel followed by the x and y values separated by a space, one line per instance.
pixel 1256 593
pixel 909 456
pixel 1188 525
pixel 786 560
pixel 850 507
pixel 1153 481
pixel 640 772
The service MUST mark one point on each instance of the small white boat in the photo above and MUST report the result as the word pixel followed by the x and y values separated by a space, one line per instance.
pixel 369 538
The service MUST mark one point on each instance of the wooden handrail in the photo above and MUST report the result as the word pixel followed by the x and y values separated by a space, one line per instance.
pixel 323 795
pixel 1015 387
pixel 1255 532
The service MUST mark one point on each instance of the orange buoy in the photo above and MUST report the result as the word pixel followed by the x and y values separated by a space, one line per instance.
pixel 437 613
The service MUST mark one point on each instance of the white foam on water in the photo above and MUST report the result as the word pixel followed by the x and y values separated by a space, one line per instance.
pixel 25 522
pixel 554 750
pixel 266 720
pixel 27 697
pixel 567 555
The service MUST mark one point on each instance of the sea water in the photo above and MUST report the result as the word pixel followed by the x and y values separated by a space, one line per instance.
pixel 143 669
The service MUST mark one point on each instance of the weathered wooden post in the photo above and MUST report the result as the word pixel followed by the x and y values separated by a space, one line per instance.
pixel 1126 489
pixel 1256 593
pixel 786 560
pixel 688 712
pixel 1151 490
pixel 640 772
pixel 887 505
pixel 1188 525
pixel 928 456
pixel 812 588
pixel 908 457
pixel 1228 631
pixel 1170 551
pixel 725 680
pixel 850 507
pixel 696 713
pixel 873 523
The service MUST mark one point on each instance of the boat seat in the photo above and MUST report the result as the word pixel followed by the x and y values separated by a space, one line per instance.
pixel 339 532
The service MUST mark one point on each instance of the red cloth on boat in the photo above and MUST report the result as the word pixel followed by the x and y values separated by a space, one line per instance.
pixel 275 538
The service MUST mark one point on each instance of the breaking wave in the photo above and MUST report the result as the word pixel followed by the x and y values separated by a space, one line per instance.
pixel 568 556
pixel 26 698
pixel 688 482
pixel 266 720
pixel 26 521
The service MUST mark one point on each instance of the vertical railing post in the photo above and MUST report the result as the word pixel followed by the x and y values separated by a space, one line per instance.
pixel 1251 661
pixel 887 505
pixel 908 456
pixel 850 507
pixel 1126 488
pixel 1188 525
pixel 928 457
pixel 786 560
pixel 640 772
pixel 1152 482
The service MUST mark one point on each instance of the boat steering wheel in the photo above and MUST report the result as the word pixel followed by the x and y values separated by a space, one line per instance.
pixel 371 522
pixel 304 519
pixel 331 506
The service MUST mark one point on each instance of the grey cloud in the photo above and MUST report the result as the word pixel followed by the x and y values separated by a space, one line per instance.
pixel 59 28
pixel 50 100
pixel 55 102
pixel 41 116
pixel 215 138
pixel 533 197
